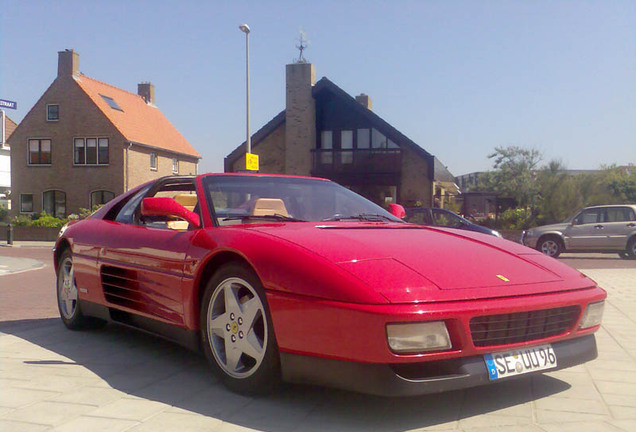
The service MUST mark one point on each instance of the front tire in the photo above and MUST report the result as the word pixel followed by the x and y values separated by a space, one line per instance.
pixel 68 299
pixel 237 333
pixel 550 246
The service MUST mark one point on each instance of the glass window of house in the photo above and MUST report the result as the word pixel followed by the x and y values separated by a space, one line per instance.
pixel 91 151
pixel 378 140
pixel 326 147
pixel 153 161
pixel 52 112
pixel 26 203
pixel 79 151
pixel 364 138
pixel 100 197
pixel 175 165
pixel 39 151
pixel 393 145
pixel 346 145
pixel 54 203
pixel 102 156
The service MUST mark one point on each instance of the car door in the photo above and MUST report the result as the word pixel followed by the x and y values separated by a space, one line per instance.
pixel 586 230
pixel 619 223
pixel 142 264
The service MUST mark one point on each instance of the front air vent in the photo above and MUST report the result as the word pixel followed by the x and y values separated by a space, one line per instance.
pixel 121 287
pixel 504 329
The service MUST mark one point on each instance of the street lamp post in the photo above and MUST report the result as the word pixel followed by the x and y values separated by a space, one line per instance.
pixel 246 29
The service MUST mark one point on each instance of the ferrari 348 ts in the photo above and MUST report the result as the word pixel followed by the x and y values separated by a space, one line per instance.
pixel 279 278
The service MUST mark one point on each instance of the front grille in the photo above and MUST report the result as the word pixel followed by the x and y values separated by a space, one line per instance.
pixel 492 330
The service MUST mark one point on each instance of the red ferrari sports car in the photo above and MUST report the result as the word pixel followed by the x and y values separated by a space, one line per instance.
pixel 279 278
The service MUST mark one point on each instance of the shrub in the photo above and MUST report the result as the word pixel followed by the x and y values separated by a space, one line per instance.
pixel 4 213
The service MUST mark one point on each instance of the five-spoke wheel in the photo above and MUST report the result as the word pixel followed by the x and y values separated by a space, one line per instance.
pixel 550 246
pixel 236 330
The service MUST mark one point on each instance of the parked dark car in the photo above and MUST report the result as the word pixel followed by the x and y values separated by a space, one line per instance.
pixel 444 218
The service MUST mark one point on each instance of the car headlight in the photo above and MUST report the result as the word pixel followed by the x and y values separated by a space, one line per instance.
pixel 529 233
pixel 418 337
pixel 592 315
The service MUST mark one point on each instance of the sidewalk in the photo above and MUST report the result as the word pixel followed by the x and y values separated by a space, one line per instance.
pixel 37 244
pixel 115 379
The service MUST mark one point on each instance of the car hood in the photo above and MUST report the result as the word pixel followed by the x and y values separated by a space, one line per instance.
pixel 411 263
pixel 553 227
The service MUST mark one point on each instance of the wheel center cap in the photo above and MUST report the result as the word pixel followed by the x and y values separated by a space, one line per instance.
pixel 235 327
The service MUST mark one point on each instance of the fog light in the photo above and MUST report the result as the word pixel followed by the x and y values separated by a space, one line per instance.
pixel 418 337
pixel 592 315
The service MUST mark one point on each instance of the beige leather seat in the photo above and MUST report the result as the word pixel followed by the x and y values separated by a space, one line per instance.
pixel 269 206
pixel 189 201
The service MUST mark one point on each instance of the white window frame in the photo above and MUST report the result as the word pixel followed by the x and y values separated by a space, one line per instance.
pixel 58 112
pixel 28 149
pixel 97 141
pixel 175 166
pixel 32 203
pixel 153 157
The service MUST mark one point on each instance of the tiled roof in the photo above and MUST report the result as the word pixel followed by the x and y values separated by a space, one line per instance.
pixel 137 121
pixel 10 126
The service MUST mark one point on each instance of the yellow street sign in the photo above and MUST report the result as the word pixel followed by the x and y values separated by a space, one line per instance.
pixel 251 162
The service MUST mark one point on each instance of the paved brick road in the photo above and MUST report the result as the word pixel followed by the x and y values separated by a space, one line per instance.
pixel 121 380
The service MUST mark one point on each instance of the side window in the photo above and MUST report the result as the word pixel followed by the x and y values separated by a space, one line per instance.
pixel 587 217
pixel 184 193
pixel 620 214
pixel 446 219
pixel 127 213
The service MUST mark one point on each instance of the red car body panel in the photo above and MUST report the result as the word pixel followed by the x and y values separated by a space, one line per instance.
pixel 332 287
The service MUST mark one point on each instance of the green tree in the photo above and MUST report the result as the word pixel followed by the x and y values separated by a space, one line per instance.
pixel 514 174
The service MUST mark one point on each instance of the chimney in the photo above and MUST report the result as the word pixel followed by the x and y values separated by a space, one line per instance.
pixel 147 91
pixel 365 101
pixel 67 63
pixel 300 118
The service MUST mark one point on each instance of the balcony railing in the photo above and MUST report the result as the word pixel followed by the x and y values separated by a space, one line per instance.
pixel 377 161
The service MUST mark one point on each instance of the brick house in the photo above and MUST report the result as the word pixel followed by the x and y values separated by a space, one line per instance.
pixel 325 132
pixel 85 142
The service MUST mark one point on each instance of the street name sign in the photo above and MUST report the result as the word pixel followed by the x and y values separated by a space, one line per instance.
pixel 8 104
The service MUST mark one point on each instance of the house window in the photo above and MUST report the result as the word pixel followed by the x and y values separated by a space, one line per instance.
pixel 90 151
pixel 26 203
pixel 153 161
pixel 39 152
pixel 54 203
pixel 364 139
pixel 52 112
pixel 101 197
pixel 111 103
pixel 326 145
pixel 175 165
pixel 346 145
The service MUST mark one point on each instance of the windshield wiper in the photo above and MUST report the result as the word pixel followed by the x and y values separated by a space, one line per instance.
pixel 368 217
pixel 276 216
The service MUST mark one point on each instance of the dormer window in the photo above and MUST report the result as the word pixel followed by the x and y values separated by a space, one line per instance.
pixel 111 103
pixel 52 112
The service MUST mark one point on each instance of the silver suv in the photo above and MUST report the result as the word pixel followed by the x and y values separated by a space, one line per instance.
pixel 608 228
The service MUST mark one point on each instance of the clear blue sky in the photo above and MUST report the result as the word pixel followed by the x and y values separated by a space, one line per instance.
pixel 457 77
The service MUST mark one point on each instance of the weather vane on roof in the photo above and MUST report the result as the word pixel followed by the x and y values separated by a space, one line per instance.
pixel 302 45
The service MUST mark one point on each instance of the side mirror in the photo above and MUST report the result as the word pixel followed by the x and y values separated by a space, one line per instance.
pixel 397 210
pixel 164 206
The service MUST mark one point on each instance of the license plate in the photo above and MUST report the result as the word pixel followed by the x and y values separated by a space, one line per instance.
pixel 518 362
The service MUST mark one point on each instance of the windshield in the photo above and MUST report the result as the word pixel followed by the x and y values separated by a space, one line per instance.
pixel 249 199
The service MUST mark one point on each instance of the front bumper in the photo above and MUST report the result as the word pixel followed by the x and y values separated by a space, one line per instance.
pixel 416 378
pixel 531 242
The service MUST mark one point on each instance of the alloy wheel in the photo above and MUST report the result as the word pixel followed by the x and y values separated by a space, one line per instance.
pixel 67 290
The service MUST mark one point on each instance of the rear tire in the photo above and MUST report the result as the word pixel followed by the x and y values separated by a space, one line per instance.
pixel 631 248
pixel 550 246
pixel 68 299
pixel 237 332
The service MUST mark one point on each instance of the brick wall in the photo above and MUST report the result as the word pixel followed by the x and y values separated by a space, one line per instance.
pixel 415 184
pixel 300 118
pixel 139 170
pixel 271 153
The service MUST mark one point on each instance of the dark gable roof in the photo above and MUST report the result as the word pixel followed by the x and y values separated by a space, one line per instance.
pixel 325 85
pixel 442 173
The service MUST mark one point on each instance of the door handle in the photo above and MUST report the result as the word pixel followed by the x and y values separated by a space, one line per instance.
pixel 598 226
